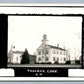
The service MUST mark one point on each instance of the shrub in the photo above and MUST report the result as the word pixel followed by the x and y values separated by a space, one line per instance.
pixel 9 63
pixel 48 63
pixel 67 62
pixel 77 61
pixel 25 57
pixel 37 63
pixel 43 63
pixel 56 62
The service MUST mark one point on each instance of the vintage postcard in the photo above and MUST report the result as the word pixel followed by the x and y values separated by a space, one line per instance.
pixel 42 40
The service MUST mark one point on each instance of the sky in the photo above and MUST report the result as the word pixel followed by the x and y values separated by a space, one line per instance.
pixel 27 32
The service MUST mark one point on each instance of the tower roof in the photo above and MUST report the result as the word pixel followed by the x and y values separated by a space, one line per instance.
pixel 44 41
pixel 44 36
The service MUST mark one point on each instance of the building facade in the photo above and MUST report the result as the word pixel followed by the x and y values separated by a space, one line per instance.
pixel 50 54
pixel 15 57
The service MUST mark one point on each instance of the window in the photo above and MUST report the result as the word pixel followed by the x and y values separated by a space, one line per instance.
pixel 47 58
pixel 53 51
pixel 64 53
pixel 64 59
pixel 42 51
pixel 39 52
pixel 57 58
pixel 61 53
pixel 57 52
pixel 47 51
pixel 39 59
pixel 42 56
pixel 53 58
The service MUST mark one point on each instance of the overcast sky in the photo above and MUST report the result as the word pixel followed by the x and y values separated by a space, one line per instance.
pixel 27 31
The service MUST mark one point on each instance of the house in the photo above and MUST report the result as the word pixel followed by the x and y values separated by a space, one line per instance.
pixel 50 54
pixel 15 57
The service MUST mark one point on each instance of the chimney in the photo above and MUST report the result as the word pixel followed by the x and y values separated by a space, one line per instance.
pixel 58 45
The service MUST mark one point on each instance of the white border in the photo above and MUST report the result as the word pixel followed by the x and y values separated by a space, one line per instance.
pixel 40 4
pixel 8 10
pixel 41 79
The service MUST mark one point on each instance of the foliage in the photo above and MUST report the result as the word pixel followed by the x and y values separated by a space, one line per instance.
pixel 56 62
pixel 67 62
pixel 25 57
pixel 36 62
pixel 48 63
pixel 77 61
pixel 43 63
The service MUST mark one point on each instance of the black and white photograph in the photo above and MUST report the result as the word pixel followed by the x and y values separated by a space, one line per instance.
pixel 44 41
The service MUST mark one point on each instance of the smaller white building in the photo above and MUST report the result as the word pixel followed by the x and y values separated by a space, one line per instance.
pixel 50 54
pixel 14 56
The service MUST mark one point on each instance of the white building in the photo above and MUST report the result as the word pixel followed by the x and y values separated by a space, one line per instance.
pixel 14 56
pixel 50 54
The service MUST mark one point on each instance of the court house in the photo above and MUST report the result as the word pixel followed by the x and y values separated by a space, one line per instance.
pixel 50 54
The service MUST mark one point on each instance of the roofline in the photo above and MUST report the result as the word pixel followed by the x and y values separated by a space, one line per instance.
pixel 57 47
pixel 51 46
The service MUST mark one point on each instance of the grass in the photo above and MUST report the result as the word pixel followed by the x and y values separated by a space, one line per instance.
pixel 46 65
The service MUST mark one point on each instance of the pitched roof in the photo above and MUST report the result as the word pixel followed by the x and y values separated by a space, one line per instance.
pixel 56 47
pixel 19 52
pixel 32 55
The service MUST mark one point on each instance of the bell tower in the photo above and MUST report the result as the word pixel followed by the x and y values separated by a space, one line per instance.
pixel 44 41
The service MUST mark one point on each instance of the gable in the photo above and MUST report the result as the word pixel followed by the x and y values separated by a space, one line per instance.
pixel 42 46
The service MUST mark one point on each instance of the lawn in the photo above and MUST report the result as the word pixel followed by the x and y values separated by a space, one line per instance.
pixel 46 65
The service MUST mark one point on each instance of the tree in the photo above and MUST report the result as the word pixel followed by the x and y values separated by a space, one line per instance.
pixel 25 57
